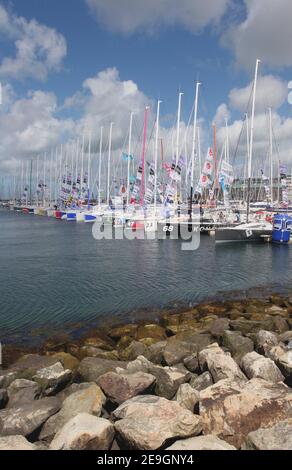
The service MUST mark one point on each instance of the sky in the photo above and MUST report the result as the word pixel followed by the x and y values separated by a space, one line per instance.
pixel 69 67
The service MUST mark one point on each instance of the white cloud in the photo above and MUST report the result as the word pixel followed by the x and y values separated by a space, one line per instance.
pixel 271 92
pixel 221 115
pixel 265 33
pixel 128 16
pixel 39 49
pixel 29 126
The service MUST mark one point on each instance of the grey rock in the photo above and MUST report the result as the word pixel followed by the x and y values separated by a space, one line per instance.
pixel 148 422
pixel 91 368
pixel 120 387
pixel 23 391
pixel 237 344
pixel 187 397
pixel 175 351
pixel 15 443
pixel 84 432
pixel 255 365
pixel 231 410
pixel 218 326
pixel 75 387
pixel 53 378
pixel 220 365
pixel 252 326
pixel 27 418
pixel 155 352
pixel 89 400
pixel 192 362
pixel 265 340
pixel 277 437
pixel 208 442
pixel 202 381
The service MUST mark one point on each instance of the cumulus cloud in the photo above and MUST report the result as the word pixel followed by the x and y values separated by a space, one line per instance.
pixel 264 33
pixel 271 92
pixel 38 48
pixel 129 16
pixel 29 126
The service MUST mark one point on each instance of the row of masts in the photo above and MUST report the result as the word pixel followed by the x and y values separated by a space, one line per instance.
pixel 70 158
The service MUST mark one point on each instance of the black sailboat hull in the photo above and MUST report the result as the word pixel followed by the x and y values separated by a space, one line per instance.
pixel 229 235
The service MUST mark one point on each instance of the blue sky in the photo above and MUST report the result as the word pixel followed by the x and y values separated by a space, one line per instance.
pixel 159 46
pixel 160 64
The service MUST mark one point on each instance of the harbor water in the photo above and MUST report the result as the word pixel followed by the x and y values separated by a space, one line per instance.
pixel 54 274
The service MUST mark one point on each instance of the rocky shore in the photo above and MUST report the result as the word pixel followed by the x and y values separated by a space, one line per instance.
pixel 216 377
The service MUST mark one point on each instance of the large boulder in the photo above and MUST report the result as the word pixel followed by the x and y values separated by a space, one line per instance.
pixel 147 422
pixel 53 378
pixel 84 432
pixel 15 443
pixel 124 330
pixel 90 400
pixel 237 344
pixel 155 352
pixel 135 349
pixel 91 368
pixel 202 381
pixel 168 379
pixel 27 418
pixel 175 351
pixel 3 397
pixel 285 365
pixel 280 325
pixel 187 397
pixel 68 361
pixel 231 410
pixel 75 387
pixel 251 326
pixel 255 365
pixel 277 437
pixel 23 391
pixel 25 368
pixel 265 340
pixel 120 387
pixel 218 327
pixel 201 443
pixel 200 340
pixel 192 362
pixel 151 331
pixel 219 364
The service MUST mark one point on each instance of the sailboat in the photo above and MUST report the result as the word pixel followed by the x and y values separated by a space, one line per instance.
pixel 249 231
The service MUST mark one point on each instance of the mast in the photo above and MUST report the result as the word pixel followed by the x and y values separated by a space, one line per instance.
pixel 143 155
pixel 215 163
pixel 30 184
pixel 199 151
pixel 82 168
pixel 227 140
pixel 247 149
pixel 129 157
pixel 194 148
pixel 99 166
pixel 44 198
pixel 251 138
pixel 88 171
pixel 37 181
pixel 271 155
pixel 108 163
pixel 156 154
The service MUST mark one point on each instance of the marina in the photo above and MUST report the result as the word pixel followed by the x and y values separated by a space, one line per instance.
pixel 145 231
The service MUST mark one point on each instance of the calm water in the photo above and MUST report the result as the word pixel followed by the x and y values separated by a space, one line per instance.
pixel 54 273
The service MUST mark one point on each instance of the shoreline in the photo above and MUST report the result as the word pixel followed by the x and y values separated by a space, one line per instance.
pixel 45 341
pixel 161 385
